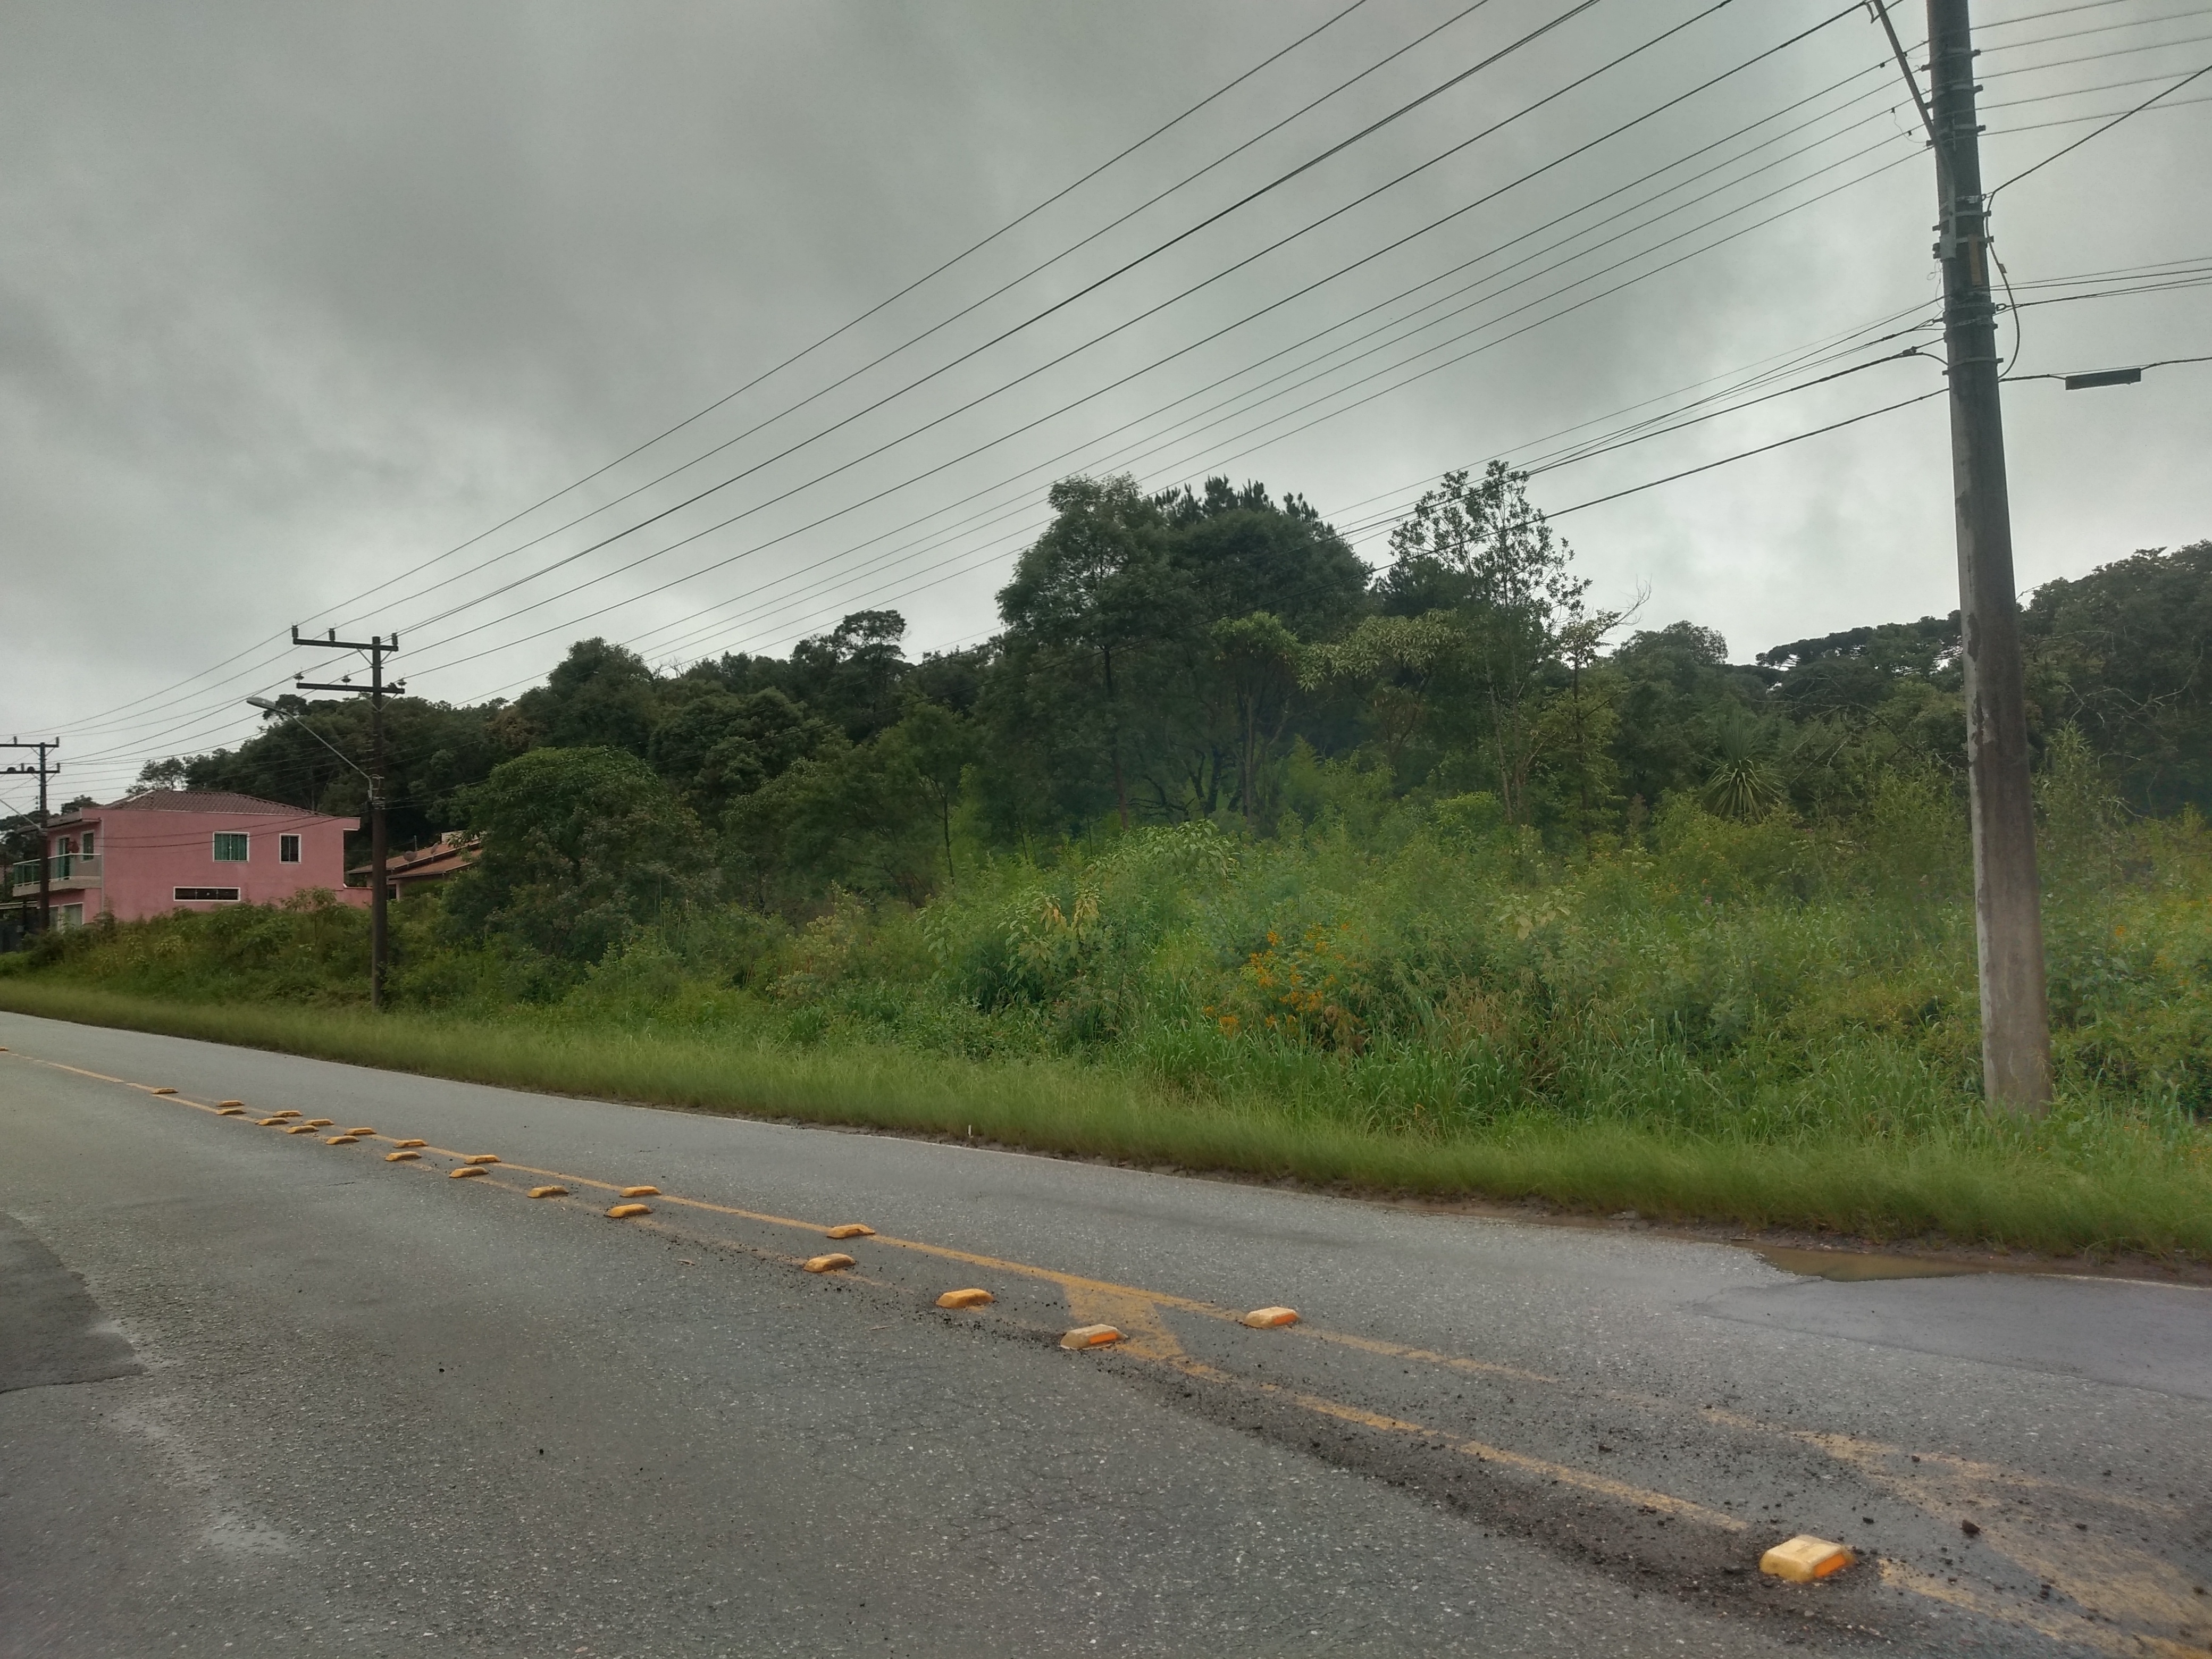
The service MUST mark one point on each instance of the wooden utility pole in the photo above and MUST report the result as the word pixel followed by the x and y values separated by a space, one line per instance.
pixel 2008 907
pixel 376 691
pixel 45 858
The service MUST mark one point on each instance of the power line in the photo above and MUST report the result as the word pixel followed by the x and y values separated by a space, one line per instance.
pixel 2105 29
pixel 2076 120
pixel 839 512
pixel 1490 61
pixel 1746 454
pixel 796 489
pixel 975 563
pixel 1404 293
pixel 935 328
pixel 574 622
pixel 806 350
pixel 2099 132
pixel 2138 369
pixel 2087 56
pixel 715 527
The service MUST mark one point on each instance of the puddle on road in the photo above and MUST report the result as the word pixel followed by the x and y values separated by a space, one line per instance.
pixel 1856 1267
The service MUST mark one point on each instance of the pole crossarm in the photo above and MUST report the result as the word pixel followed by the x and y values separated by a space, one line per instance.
pixel 43 771
pixel 377 647
pixel 331 642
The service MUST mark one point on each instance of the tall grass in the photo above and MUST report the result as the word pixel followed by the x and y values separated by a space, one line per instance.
pixel 1763 1023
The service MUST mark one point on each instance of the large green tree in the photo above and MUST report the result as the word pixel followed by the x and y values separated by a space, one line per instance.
pixel 1480 551
pixel 581 847
pixel 2125 654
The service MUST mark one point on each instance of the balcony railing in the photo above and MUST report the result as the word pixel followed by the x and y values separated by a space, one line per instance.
pixel 64 870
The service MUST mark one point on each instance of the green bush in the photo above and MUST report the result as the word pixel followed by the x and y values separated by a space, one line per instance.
pixel 1755 981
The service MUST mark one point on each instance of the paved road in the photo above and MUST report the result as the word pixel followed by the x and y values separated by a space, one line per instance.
pixel 262 1394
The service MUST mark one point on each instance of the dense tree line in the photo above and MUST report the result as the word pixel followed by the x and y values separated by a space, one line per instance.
pixel 1217 655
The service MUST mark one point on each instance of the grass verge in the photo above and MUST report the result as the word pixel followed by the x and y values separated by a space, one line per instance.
pixel 2125 1197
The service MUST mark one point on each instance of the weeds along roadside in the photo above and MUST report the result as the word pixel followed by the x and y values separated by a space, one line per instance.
pixel 1755 1022
pixel 2120 1187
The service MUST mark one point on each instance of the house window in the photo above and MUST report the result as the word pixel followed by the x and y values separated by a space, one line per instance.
pixel 67 915
pixel 65 845
pixel 288 850
pixel 89 842
pixel 203 895
pixel 229 849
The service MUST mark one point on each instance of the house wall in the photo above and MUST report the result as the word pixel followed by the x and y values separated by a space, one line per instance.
pixel 146 855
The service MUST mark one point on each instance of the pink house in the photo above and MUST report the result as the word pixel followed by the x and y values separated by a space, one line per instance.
pixel 185 850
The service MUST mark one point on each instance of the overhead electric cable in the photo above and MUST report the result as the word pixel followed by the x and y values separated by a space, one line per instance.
pixel 1057 306
pixel 2076 120
pixel 1746 454
pixel 1219 461
pixel 1118 328
pixel 969 455
pixel 2085 137
pixel 973 305
pixel 1792 40
pixel 844 328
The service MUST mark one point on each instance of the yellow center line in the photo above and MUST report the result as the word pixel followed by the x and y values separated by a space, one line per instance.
pixel 1151 1342
pixel 1398 1351
pixel 1566 1474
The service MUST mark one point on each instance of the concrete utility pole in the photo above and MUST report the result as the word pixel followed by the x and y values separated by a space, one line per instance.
pixel 2008 907
pixel 376 691
pixel 45 858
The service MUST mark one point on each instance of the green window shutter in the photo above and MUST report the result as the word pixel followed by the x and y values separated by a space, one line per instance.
pixel 229 849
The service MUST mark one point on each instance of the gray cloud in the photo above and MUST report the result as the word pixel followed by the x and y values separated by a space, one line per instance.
pixel 293 298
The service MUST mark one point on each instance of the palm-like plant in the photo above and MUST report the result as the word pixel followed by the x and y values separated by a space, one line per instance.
pixel 1743 783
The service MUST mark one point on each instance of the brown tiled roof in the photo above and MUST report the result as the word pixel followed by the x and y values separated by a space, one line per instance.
pixel 199 800
pixel 444 858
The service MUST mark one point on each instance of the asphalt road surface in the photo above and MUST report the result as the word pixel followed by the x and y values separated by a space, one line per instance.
pixel 261 1394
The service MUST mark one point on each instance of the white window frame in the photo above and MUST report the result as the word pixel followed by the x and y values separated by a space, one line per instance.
pixel 288 849
pixel 240 834
pixel 86 842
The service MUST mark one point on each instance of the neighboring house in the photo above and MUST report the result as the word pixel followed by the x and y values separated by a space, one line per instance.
pixel 184 849
pixel 425 866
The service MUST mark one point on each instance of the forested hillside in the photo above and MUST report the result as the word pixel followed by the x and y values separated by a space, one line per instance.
pixel 1225 656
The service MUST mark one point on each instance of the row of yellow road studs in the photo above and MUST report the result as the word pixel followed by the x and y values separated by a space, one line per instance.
pixel 1801 1559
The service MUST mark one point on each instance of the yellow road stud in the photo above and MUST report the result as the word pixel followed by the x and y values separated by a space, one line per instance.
pixel 410 1142
pixel 319 1123
pixel 401 1158
pixel 624 1212
pixel 641 1192
pixel 549 1192
pixel 1090 1336
pixel 364 1130
pixel 164 1090
pixel 341 1140
pixel 230 1111
pixel 463 1173
pixel 270 1122
pixel 835 1262
pixel 288 1113
pixel 1265 1319
pixel 1804 1558
pixel 480 1157
pixel 851 1230
pixel 231 1103
pixel 299 1128
pixel 968 1299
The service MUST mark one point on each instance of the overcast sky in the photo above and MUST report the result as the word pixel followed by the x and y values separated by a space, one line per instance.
pixel 294 299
